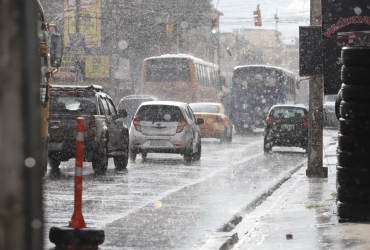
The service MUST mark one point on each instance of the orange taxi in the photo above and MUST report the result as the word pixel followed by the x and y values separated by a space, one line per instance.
pixel 216 123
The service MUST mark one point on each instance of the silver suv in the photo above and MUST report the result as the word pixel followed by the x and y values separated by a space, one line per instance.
pixel 165 127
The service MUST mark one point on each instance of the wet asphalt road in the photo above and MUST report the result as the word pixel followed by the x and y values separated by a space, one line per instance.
pixel 165 203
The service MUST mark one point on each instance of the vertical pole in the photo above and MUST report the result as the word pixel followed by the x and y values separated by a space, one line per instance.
pixel 77 31
pixel 316 93
pixel 77 220
pixel 21 220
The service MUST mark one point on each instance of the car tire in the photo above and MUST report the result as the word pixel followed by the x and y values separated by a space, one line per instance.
pixel 353 159
pixel 100 162
pixel 355 195
pixel 354 212
pixel 230 138
pixel 198 155
pixel 356 56
pixel 353 177
pixel 351 93
pixel 353 143
pixel 54 163
pixel 354 127
pixel 188 155
pixel 355 75
pixel 120 162
pixel 132 155
pixel 267 147
pixel 144 155
pixel 355 111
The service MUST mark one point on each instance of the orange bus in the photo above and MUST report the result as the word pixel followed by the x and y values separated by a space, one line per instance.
pixel 181 78
pixel 56 51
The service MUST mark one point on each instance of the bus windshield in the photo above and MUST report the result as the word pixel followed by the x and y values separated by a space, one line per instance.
pixel 167 70
pixel 257 78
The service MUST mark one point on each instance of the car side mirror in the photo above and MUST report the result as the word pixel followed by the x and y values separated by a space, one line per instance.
pixel 123 113
pixel 56 50
pixel 200 121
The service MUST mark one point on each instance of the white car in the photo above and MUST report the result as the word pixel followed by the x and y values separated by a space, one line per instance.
pixel 165 127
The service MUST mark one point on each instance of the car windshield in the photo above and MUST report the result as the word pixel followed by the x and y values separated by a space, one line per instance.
pixel 73 104
pixel 167 70
pixel 288 112
pixel 205 108
pixel 159 113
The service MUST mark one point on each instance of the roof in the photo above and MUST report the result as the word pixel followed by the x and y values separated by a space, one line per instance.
pixel 198 60
pixel 290 105
pixel 97 87
pixel 267 66
pixel 169 103
pixel 138 97
pixel 206 103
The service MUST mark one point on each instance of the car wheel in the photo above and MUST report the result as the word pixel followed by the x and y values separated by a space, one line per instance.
pixel 54 163
pixel 355 177
pixel 132 155
pixel 354 111
pixel 353 159
pixel 120 162
pixel 267 147
pixel 353 143
pixel 354 127
pixel 230 138
pixel 144 155
pixel 355 75
pixel 356 56
pixel 359 195
pixel 351 93
pixel 197 155
pixel 100 162
pixel 188 155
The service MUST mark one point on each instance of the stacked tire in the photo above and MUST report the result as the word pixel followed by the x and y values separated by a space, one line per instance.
pixel 353 153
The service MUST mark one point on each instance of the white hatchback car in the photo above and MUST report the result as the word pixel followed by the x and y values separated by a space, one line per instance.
pixel 165 127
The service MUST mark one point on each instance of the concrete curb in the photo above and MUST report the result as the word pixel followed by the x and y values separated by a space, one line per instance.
pixel 224 241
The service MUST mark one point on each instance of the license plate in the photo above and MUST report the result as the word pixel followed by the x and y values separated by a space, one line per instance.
pixel 158 143
pixel 56 145
pixel 287 126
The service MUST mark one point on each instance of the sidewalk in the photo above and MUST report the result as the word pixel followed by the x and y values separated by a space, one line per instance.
pixel 303 207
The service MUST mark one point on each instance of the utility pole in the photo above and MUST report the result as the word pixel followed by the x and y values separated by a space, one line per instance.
pixel 21 225
pixel 316 92
pixel 77 64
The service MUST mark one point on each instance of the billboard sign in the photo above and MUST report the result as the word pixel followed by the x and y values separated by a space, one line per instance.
pixel 90 21
pixel 344 23
pixel 97 67
pixel 66 70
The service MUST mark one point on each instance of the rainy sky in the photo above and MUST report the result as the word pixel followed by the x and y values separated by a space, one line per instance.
pixel 239 14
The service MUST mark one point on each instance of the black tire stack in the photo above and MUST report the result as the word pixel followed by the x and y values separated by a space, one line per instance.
pixel 353 154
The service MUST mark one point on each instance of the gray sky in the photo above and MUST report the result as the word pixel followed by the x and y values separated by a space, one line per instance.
pixel 239 14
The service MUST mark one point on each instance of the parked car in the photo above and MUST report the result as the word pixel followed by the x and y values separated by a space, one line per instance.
pixel 165 127
pixel 286 125
pixel 216 123
pixel 105 134
pixel 131 103
pixel 330 118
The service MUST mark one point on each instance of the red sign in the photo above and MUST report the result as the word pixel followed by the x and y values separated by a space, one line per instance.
pixel 64 75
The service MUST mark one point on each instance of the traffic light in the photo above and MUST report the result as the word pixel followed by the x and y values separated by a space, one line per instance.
pixel 214 26
pixel 169 29
pixel 257 17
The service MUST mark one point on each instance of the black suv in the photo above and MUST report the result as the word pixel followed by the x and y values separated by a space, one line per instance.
pixel 286 125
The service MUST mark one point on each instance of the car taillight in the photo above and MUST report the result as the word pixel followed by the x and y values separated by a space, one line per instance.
pixel 269 121
pixel 92 128
pixel 305 122
pixel 181 125
pixel 136 122
pixel 218 119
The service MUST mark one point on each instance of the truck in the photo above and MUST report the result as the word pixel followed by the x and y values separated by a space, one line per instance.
pixel 105 136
